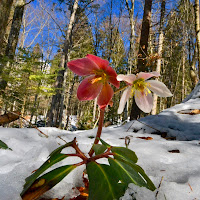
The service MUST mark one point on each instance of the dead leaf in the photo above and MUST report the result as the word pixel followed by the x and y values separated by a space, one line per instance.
pixel 84 191
pixel 53 199
pixel 174 151
pixel 108 123
pixel 170 138
pixel 190 111
pixel 190 187
pixel 145 138
pixel 9 117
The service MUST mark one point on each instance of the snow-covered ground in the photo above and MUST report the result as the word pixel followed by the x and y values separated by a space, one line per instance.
pixel 175 162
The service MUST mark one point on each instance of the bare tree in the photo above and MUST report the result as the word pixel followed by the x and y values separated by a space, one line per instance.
pixel 55 113
pixel 142 53
pixel 130 8
pixel 160 49
pixel 13 36
pixel 5 8
pixel 197 29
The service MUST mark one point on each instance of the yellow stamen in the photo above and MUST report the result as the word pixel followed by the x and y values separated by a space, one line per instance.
pixel 96 80
pixel 100 76
pixel 141 86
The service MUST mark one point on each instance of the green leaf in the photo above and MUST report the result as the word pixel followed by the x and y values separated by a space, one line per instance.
pixel 99 148
pixel 104 143
pixel 54 157
pixel 103 182
pixel 4 145
pixel 47 181
pixel 124 154
pixel 129 172
pixel 59 149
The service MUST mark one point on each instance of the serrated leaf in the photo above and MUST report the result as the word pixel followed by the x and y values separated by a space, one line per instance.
pixel 47 181
pixel 103 182
pixel 54 157
pixel 124 154
pixel 4 145
pixel 131 173
pixel 99 148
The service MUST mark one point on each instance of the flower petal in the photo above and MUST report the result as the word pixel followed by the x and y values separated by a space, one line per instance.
pixel 144 100
pixel 88 89
pixel 98 61
pixel 159 88
pixel 125 96
pixel 112 76
pixel 105 96
pixel 127 78
pixel 83 66
pixel 147 75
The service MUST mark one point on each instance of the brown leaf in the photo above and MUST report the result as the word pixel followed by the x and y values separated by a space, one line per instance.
pixel 9 117
pixel 108 123
pixel 170 138
pixel 145 138
pixel 53 199
pixel 174 151
pixel 190 111
pixel 84 191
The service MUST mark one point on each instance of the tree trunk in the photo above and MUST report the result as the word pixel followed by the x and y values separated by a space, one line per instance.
pixel 5 8
pixel 160 48
pixel 193 71
pixel 132 34
pixel 55 113
pixel 197 29
pixel 13 37
pixel 69 107
pixel 142 53
pixel 52 115
pixel 94 110
pixel 183 62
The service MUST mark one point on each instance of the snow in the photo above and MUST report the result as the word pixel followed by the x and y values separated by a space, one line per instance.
pixel 178 174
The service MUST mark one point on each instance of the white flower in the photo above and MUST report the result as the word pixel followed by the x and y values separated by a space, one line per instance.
pixel 141 87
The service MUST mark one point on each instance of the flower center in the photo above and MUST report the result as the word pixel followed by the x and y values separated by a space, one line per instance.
pixel 141 86
pixel 100 76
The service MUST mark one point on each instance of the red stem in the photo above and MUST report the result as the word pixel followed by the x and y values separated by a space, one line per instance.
pixel 78 151
pixel 77 155
pixel 98 135
pixel 103 155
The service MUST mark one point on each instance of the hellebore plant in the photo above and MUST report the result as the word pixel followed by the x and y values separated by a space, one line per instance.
pixel 140 87
pixel 106 181
pixel 100 74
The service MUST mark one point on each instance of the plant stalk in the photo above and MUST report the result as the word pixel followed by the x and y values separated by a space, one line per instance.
pixel 98 135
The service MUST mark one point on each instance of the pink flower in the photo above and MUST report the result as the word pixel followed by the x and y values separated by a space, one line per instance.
pixel 100 74
pixel 141 88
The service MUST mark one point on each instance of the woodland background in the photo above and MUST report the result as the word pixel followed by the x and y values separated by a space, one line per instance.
pixel 39 37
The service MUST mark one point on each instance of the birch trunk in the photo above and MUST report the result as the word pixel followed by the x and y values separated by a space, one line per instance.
pixel 57 105
pixel 183 62
pixel 197 29
pixel 160 49
pixel 69 107
pixel 132 34
pixel 193 73
pixel 94 110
